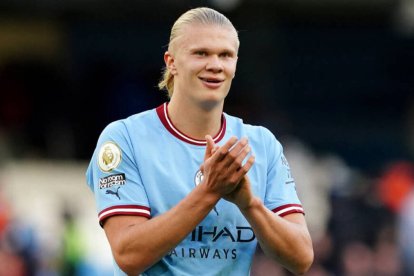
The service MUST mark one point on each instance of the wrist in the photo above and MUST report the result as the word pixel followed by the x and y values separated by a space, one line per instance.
pixel 254 203
pixel 208 195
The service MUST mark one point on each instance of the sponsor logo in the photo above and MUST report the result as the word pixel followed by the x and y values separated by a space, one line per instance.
pixel 204 253
pixel 240 234
pixel 109 156
pixel 112 180
pixel 110 192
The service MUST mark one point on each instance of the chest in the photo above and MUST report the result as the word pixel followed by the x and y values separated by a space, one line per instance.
pixel 170 171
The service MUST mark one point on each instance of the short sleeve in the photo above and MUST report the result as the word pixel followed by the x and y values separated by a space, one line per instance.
pixel 281 196
pixel 114 177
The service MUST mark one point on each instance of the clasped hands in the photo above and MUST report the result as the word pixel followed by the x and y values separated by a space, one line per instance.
pixel 225 172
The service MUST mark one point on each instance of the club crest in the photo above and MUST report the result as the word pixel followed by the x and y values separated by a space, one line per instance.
pixel 198 177
pixel 197 180
pixel 109 156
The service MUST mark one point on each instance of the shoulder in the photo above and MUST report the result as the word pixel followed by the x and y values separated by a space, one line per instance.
pixel 130 125
pixel 253 131
pixel 261 139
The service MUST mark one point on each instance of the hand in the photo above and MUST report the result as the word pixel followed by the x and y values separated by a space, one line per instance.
pixel 242 196
pixel 222 168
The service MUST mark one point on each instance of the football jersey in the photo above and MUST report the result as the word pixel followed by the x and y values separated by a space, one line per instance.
pixel 144 165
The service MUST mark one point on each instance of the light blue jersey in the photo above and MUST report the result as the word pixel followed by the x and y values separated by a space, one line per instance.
pixel 144 166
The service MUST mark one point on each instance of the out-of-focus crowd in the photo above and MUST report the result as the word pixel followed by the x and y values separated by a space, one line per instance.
pixel 22 253
pixel 360 224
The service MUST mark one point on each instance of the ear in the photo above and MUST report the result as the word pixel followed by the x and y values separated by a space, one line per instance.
pixel 169 63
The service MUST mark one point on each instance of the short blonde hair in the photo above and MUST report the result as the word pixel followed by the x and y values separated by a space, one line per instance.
pixel 206 16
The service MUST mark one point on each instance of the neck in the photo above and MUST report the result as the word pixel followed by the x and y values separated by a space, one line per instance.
pixel 194 120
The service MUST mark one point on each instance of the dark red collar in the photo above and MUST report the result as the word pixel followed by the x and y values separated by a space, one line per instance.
pixel 162 112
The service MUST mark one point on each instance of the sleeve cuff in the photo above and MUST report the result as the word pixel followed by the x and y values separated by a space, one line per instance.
pixel 288 209
pixel 130 210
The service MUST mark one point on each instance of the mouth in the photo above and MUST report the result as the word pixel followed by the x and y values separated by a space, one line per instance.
pixel 212 81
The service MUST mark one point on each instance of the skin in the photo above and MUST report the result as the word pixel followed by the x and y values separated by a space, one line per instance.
pixel 203 61
pixel 201 53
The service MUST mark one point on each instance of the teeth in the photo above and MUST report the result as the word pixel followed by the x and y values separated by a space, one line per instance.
pixel 211 80
pixel 207 80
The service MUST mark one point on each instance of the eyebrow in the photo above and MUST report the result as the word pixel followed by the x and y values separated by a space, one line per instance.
pixel 209 50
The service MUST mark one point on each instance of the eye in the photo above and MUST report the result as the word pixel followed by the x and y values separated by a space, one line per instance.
pixel 226 55
pixel 201 53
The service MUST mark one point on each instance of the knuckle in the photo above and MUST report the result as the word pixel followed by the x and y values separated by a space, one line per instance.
pixel 232 156
pixel 244 169
pixel 222 152
pixel 238 163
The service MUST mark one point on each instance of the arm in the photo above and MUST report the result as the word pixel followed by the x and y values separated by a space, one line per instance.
pixel 137 243
pixel 285 240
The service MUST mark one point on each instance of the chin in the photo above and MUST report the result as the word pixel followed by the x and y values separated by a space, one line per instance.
pixel 212 103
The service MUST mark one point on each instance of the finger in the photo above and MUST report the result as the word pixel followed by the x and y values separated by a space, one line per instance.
pixel 245 168
pixel 222 151
pixel 210 141
pixel 239 146
pixel 235 151
pixel 209 148
pixel 238 161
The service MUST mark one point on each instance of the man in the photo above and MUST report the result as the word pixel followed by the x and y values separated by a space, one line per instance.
pixel 193 199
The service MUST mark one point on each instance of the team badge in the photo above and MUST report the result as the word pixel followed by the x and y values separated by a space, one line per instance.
pixel 198 177
pixel 197 180
pixel 109 156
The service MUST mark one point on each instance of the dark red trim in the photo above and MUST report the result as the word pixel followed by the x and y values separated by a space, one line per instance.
pixel 125 206
pixel 291 212
pixel 286 206
pixel 162 112
pixel 124 212
pixel 288 209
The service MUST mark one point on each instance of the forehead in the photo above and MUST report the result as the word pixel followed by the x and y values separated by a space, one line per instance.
pixel 207 36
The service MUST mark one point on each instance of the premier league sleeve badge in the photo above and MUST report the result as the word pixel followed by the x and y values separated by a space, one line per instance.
pixel 109 156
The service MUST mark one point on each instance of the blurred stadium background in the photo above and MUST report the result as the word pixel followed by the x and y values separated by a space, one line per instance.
pixel 333 79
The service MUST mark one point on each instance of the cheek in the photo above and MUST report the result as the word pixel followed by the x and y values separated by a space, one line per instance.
pixel 231 71
pixel 191 68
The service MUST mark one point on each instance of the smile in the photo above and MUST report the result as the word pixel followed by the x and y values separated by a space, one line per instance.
pixel 211 80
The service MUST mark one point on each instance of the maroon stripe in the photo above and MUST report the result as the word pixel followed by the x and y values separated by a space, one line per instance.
pixel 125 213
pixel 291 212
pixel 162 112
pixel 125 206
pixel 286 206
pixel 102 219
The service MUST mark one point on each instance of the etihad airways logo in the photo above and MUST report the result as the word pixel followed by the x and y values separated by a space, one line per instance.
pixel 239 234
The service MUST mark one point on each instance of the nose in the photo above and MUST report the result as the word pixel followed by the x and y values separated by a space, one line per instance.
pixel 214 64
